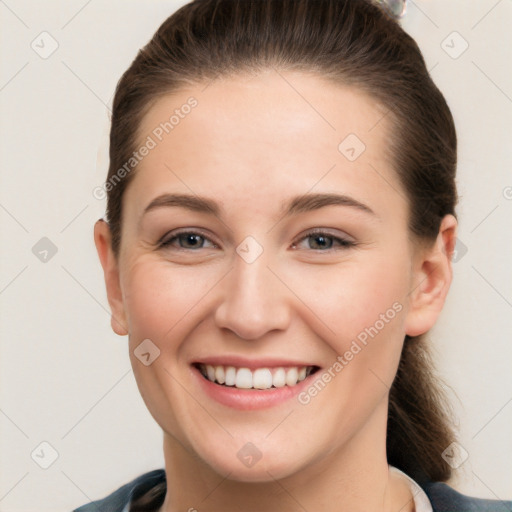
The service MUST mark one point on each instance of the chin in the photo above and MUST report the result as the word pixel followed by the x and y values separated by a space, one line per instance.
pixel 261 472
pixel 252 465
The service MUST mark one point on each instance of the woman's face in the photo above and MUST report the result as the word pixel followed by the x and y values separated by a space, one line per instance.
pixel 265 241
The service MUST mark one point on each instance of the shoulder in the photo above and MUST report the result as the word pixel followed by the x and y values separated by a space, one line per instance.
pixel 442 497
pixel 119 500
pixel 446 499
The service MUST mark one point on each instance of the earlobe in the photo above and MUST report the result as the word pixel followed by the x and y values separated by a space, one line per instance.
pixel 432 276
pixel 102 240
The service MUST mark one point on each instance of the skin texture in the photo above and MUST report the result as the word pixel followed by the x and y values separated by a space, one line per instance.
pixel 252 143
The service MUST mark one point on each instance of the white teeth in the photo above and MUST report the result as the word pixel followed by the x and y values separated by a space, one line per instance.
pixel 230 376
pixel 292 376
pixel 243 378
pixel 279 379
pixel 210 371
pixel 220 376
pixel 261 378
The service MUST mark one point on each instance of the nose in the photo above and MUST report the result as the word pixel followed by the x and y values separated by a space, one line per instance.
pixel 255 301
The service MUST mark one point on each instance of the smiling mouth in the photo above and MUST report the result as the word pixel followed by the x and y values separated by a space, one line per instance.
pixel 260 378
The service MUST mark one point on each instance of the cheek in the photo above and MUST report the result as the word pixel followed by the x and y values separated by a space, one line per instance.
pixel 352 297
pixel 161 304
pixel 364 306
pixel 159 298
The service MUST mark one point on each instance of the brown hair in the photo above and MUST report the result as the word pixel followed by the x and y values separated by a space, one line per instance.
pixel 351 42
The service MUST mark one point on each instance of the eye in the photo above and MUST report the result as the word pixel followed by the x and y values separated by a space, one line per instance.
pixel 190 240
pixel 321 241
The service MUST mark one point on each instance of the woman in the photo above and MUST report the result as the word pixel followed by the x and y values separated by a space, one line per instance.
pixel 281 218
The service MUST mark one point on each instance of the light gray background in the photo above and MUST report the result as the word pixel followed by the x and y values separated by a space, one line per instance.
pixel 66 377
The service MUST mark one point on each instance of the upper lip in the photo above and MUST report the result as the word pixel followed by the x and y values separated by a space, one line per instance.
pixel 252 364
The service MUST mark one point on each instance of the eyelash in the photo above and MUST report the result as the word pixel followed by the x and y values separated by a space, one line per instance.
pixel 343 243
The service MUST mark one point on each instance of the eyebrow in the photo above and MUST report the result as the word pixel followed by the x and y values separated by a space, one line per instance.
pixel 310 202
pixel 190 202
pixel 300 204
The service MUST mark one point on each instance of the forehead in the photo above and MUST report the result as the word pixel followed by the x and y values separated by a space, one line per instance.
pixel 263 134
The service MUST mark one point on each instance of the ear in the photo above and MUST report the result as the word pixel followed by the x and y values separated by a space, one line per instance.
pixel 432 276
pixel 103 239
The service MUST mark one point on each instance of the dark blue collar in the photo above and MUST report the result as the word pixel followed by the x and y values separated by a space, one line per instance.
pixel 442 497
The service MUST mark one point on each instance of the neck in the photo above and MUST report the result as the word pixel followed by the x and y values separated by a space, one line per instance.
pixel 354 477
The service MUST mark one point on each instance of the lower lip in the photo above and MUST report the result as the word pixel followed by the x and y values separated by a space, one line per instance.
pixel 249 399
